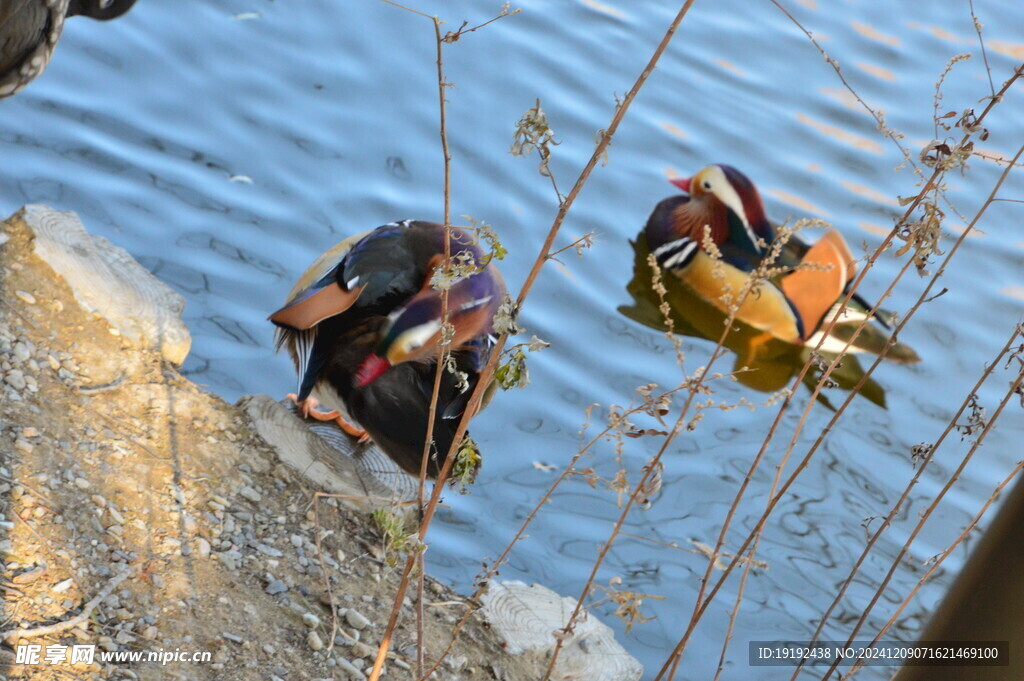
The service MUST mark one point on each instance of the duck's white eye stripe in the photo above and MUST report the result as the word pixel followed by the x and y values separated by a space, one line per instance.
pixel 728 195
pixel 416 337
pixel 351 282
pixel 476 302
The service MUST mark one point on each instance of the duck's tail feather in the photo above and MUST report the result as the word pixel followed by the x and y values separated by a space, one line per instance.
pixel 872 339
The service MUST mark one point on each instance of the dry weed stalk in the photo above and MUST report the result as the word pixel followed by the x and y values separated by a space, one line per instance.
pixel 921 465
pixel 984 52
pixel 921 236
pixel 1015 386
pixel 703 602
pixel 673 661
pixel 415 558
pixel 486 374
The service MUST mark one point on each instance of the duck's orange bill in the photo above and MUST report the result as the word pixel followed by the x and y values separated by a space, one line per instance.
pixel 682 182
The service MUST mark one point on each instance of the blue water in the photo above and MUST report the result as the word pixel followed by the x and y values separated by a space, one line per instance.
pixel 226 152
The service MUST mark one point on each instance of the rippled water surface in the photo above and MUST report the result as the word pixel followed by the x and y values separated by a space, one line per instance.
pixel 226 144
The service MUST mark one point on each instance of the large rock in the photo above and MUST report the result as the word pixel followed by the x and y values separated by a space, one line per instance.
pixel 106 280
pixel 526 617
pixel 362 475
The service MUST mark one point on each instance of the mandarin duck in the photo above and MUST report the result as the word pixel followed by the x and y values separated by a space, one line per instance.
pixel 796 304
pixel 30 29
pixel 363 326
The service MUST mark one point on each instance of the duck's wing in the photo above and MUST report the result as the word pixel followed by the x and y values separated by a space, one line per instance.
pixel 315 297
pixel 318 294
pixel 382 268
pixel 393 263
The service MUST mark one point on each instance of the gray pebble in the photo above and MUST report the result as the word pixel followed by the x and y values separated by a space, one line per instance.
pixel 350 669
pixel 268 551
pixel 229 561
pixel 276 587
pixel 21 352
pixel 15 379
pixel 356 619
pixel 250 494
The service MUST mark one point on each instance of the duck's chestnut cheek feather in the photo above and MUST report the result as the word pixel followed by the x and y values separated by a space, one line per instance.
pixel 372 367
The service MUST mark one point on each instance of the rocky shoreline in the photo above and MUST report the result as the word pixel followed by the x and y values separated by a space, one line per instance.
pixel 116 470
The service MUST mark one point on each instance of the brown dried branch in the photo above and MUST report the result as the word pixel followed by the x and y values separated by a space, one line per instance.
pixel 78 619
pixel 927 456
pixel 702 602
pixel 417 556
pixel 1015 385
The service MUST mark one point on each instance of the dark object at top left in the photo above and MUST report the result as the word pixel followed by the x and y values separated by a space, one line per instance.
pixel 30 29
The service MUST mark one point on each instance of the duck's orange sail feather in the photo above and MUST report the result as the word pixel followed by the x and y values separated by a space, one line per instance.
pixel 815 288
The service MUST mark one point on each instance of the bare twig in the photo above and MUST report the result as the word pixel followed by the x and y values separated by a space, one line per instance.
pixel 583 242
pixel 452 36
pixel 78 619
pixel 1015 385
pixel 925 462
pixel 981 41
pixel 426 511
pixel 323 568
pixel 439 371
pixel 703 602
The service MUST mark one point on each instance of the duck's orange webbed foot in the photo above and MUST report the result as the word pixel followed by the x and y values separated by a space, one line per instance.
pixel 307 408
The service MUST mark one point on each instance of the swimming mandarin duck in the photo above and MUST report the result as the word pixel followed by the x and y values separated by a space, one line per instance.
pixel 363 326
pixel 795 305
pixel 30 29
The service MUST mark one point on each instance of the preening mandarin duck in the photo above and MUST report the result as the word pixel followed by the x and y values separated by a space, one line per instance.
pixel 363 325
pixel 796 304
pixel 30 29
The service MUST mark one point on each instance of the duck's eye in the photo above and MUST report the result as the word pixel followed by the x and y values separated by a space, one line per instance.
pixel 706 185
